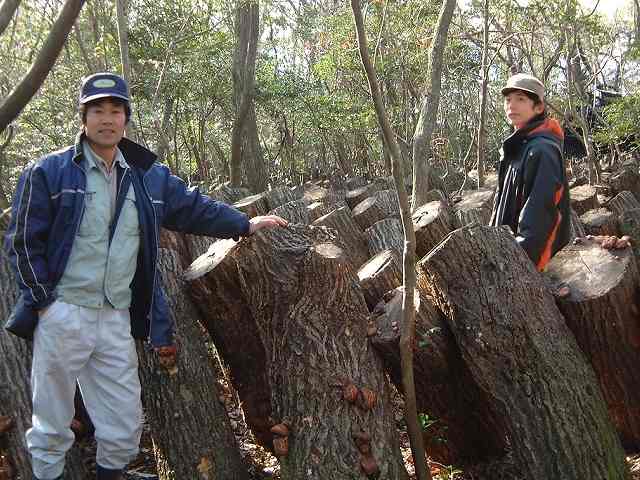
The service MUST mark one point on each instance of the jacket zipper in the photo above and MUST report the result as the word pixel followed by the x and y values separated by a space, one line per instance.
pixel 155 233
pixel 84 199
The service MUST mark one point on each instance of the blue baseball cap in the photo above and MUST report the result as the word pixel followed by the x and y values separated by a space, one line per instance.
pixel 103 85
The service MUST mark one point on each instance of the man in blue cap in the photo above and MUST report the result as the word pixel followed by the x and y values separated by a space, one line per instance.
pixel 83 241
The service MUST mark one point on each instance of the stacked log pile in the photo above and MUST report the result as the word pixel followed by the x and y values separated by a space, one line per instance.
pixel 292 297
pixel 307 319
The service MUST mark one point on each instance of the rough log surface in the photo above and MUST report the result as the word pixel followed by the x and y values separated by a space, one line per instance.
pixel 278 196
pixel 375 208
pixel 314 193
pixel 521 353
pixel 583 198
pixel 385 234
pixel 350 235
pixel 463 431
pixel 253 206
pixel 354 197
pixel 626 179
pixel 600 221
pixel 15 390
pixel 228 194
pixel 603 312
pixel 224 312
pixel 318 209
pixel 576 229
pixel 474 207
pixel 295 211
pixel 629 223
pixel 379 275
pixel 192 436
pixel 622 202
pixel 389 198
pixel 355 182
pixel 431 223
pixel 312 320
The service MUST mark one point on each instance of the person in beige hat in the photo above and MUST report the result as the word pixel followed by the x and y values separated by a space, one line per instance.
pixel 532 195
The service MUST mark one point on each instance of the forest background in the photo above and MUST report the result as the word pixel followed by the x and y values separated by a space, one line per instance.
pixel 189 63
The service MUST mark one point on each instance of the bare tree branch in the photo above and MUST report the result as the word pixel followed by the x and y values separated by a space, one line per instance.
pixel 42 65
pixel 7 10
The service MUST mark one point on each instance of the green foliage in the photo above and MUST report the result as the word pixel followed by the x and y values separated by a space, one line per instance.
pixel 313 107
pixel 622 118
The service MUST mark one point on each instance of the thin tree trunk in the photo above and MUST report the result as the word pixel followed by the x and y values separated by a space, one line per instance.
pixel 244 64
pixel 429 110
pixel 123 41
pixel 482 134
pixel 253 160
pixel 409 272
pixel 46 58
pixel 83 50
pixel 7 10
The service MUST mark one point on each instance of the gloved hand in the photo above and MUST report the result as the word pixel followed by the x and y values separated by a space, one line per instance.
pixel 167 356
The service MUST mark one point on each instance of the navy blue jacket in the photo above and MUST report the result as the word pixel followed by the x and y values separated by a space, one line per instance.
pixel 532 195
pixel 46 213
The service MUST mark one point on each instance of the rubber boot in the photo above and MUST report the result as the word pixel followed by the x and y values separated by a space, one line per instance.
pixel 108 474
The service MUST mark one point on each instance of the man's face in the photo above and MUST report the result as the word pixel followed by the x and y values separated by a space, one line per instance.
pixel 520 109
pixel 105 122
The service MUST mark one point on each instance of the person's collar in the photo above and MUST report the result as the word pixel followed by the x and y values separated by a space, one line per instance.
pixel 93 158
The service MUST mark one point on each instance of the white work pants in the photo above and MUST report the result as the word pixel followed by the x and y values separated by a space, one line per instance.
pixel 95 348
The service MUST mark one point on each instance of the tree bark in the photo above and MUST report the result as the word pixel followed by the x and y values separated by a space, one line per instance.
pixel 314 193
pixel 583 198
pixel 475 206
pixel 350 235
pixel 252 156
pixel 278 196
pixel 224 312
pixel 304 311
pixel 15 390
pixel 379 275
pixel 629 222
pixel 355 196
pixel 576 229
pixel 600 221
pixel 432 223
pixel 603 312
pixel 373 209
pixel 385 234
pixel 244 64
pixel 430 104
pixel 192 436
pixel 229 194
pixel 520 351
pixel 626 179
pixel 482 134
pixel 317 210
pixel 623 202
pixel 122 7
pixel 7 11
pixel 294 211
pixel 253 205
pixel 462 429
pixel 46 58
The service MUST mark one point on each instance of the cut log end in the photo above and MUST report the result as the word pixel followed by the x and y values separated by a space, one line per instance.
pixel 588 269
pixel 329 251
